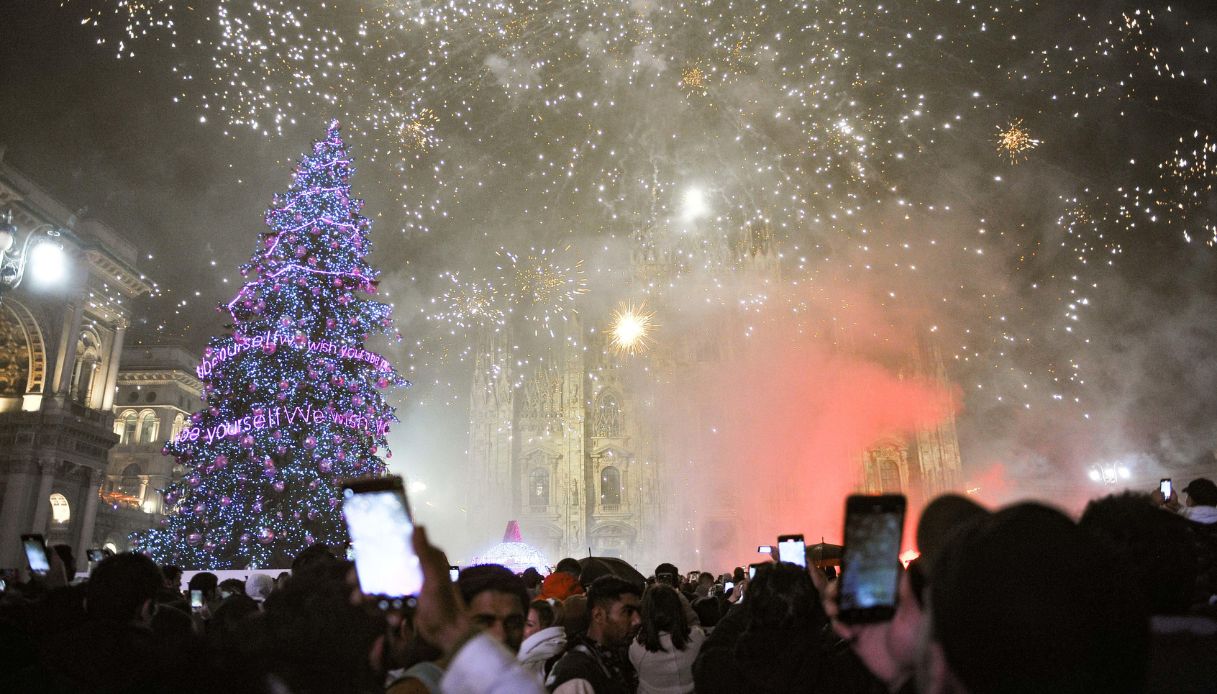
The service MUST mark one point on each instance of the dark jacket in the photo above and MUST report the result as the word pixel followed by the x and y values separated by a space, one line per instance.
pixel 737 658
pixel 607 671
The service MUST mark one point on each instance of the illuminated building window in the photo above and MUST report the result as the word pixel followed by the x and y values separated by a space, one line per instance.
pixel 60 511
pixel 538 488
pixel 610 487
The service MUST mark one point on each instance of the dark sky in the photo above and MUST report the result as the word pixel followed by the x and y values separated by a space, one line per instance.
pixel 106 134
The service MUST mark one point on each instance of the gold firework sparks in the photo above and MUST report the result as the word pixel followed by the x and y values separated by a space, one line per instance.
pixel 417 134
pixel 1015 141
pixel 632 326
pixel 694 79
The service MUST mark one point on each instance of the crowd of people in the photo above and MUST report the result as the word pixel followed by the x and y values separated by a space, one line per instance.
pixel 1017 599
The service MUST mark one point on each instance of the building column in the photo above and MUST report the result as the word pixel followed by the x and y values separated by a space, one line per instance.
pixel 116 350
pixel 89 519
pixel 66 363
pixel 42 503
pixel 17 490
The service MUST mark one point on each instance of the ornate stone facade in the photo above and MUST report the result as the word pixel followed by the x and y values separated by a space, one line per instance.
pixel 60 346
pixel 157 392
pixel 563 440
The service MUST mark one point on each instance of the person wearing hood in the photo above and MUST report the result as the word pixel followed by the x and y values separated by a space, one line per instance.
pixel 543 639
pixel 563 582
pixel 259 587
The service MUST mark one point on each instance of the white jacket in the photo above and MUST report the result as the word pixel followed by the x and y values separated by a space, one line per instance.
pixel 1205 515
pixel 539 648
pixel 668 671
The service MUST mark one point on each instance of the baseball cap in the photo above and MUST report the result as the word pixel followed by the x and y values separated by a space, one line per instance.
pixel 1203 491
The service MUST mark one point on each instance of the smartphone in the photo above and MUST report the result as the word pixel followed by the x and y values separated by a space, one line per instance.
pixel 1165 487
pixel 792 549
pixel 666 579
pixel 196 599
pixel 870 562
pixel 381 527
pixel 752 569
pixel 454 572
pixel 764 549
pixel 35 554
pixel 728 585
pixel 96 555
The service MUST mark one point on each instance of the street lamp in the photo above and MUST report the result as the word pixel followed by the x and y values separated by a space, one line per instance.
pixel 41 251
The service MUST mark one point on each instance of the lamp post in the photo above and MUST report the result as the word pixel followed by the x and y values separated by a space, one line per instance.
pixel 40 249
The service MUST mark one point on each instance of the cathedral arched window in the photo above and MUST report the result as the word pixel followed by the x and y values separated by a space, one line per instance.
pixel 126 427
pixel 889 476
pixel 538 488
pixel 610 487
pixel 61 512
pixel 148 426
pixel 179 423
pixel 130 482
pixel 88 359
pixel 608 419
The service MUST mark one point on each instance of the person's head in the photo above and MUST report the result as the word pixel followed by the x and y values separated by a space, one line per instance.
pixel 663 612
pixel 259 586
pixel 173 577
pixel 231 586
pixel 783 597
pixel 315 557
pixel 1201 492
pixel 668 573
pixel 570 566
pixel 939 521
pixel 739 574
pixel 68 559
pixel 1155 545
pixel 122 588
pixel 541 615
pixel 228 617
pixel 574 618
pixel 531 578
pixel 708 610
pixel 613 605
pixel 705 578
pixel 497 601
pixel 995 627
pixel 206 582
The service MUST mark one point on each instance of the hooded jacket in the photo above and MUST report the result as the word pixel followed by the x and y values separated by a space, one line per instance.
pixel 539 648
pixel 559 586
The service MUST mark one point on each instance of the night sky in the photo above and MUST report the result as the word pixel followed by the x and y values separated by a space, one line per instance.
pixel 1070 283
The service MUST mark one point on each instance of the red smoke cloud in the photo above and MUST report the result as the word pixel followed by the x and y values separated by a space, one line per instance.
pixel 771 442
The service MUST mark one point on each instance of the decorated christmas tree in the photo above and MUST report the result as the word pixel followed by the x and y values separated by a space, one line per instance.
pixel 293 399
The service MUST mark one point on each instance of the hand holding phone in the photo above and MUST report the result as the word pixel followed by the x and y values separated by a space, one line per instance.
pixel 1166 488
pixel 382 529
pixel 36 555
pixel 454 572
pixel 870 563
pixel 792 549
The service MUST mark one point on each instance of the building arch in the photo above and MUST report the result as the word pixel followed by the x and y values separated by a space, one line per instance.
pixel 149 426
pixel 179 423
pixel 61 510
pixel 610 487
pixel 22 351
pixel 88 359
pixel 125 426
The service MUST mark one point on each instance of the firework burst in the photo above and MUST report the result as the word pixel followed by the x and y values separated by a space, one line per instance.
pixel 1015 141
pixel 631 329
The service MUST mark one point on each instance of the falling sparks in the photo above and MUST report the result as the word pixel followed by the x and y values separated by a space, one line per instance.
pixel 694 80
pixel 631 329
pixel 1015 141
pixel 418 133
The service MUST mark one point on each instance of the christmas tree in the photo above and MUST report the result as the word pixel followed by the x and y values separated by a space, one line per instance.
pixel 293 401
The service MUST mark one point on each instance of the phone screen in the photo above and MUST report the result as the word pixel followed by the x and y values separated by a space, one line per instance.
pixel 791 548
pixel 454 572
pixel 96 555
pixel 35 553
pixel 382 534
pixel 728 586
pixel 1165 486
pixel 764 549
pixel 196 599
pixel 870 573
